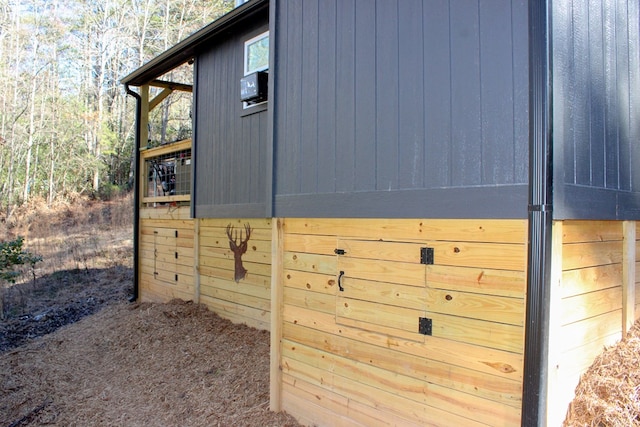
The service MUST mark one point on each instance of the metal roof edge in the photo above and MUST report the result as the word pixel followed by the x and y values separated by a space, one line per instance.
pixel 185 50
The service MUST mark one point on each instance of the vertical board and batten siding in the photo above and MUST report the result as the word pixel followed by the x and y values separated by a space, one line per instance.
pixel 230 144
pixel 355 357
pixel 596 96
pixel 168 264
pixel 586 305
pixel 392 102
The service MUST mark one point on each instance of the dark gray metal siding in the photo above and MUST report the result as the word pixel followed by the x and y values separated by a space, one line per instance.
pixel 230 146
pixel 398 101
pixel 596 104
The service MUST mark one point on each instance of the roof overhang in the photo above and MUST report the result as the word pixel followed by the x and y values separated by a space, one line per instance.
pixel 188 48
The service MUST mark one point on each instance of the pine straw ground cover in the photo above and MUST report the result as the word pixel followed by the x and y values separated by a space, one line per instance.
pixel 174 364
pixel 609 392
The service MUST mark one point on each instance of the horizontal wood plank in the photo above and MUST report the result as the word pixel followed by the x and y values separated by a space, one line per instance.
pixel 483 359
pixel 394 392
pixel 165 213
pixel 309 403
pixel 311 263
pixel 374 316
pixel 313 282
pixel 591 231
pixel 590 279
pixel 313 300
pixel 323 245
pixel 384 293
pixel 462 230
pixel 485 385
pixel 591 304
pixel 412 274
pixel 237 313
pixel 477 280
pixel 478 332
pixel 583 255
pixel 590 330
pixel 491 308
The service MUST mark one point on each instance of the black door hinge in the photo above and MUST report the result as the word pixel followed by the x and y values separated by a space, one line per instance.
pixel 426 256
pixel 425 326
pixel 339 251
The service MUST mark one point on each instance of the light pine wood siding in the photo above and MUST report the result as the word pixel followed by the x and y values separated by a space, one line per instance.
pixel 591 289
pixel 247 301
pixel 586 303
pixel 166 254
pixel 169 267
pixel 355 356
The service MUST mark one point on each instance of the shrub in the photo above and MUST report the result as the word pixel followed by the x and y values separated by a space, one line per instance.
pixel 12 255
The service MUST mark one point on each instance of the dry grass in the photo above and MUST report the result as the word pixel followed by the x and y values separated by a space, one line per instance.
pixel 84 235
pixel 76 234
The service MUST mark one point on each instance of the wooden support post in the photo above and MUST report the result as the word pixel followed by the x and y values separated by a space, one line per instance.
pixel 144 117
pixel 557 402
pixel 628 275
pixel 277 254
pixel 196 260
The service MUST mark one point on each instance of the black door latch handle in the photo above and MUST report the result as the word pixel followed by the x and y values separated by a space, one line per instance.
pixel 340 281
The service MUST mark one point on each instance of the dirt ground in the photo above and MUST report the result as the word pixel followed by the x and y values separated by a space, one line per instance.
pixel 141 365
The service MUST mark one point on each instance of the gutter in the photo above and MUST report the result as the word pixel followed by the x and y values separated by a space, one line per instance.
pixel 136 194
pixel 540 216
pixel 189 47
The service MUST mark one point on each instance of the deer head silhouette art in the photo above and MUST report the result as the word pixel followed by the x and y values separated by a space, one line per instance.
pixel 238 249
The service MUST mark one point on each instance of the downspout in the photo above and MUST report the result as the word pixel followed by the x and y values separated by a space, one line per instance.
pixel 540 216
pixel 136 193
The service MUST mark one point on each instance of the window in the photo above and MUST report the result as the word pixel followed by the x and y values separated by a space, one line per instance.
pixel 240 2
pixel 256 54
pixel 256 58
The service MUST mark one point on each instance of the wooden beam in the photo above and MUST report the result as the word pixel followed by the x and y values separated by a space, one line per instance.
pixel 144 139
pixel 628 275
pixel 171 85
pixel 173 147
pixel 167 199
pixel 275 375
pixel 144 117
pixel 159 98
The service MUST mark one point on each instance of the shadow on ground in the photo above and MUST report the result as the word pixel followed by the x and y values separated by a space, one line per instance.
pixel 39 307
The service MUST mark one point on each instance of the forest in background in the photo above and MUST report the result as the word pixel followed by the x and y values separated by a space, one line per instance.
pixel 66 123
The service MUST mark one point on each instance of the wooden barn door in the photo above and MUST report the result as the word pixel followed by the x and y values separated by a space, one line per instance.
pixel 165 255
pixel 459 291
pixel 381 287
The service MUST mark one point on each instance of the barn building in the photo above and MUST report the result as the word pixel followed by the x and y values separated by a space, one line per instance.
pixel 431 204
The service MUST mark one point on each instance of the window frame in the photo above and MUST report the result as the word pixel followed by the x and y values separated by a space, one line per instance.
pixel 245 55
pixel 246 107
